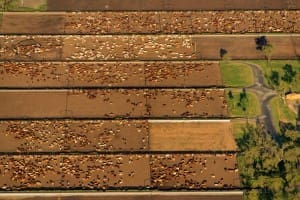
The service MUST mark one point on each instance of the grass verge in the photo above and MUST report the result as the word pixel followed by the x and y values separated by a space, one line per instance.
pixel 236 74
pixel 251 104
pixel 281 112
pixel 277 65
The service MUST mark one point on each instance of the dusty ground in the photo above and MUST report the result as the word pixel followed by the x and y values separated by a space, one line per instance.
pixel 34 104
pixel 31 22
pixel 191 136
pixel 70 135
pixel 57 5
pixel 143 47
pixel 30 48
pixel 110 74
pixel 113 103
pixel 244 47
pixel 189 171
pixel 151 22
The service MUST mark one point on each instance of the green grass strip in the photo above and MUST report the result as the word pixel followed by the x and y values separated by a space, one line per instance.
pixel 236 74
pixel 252 105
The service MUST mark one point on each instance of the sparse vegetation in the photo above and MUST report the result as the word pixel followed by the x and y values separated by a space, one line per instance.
pixel 18 5
pixel 281 112
pixel 267 50
pixel 243 104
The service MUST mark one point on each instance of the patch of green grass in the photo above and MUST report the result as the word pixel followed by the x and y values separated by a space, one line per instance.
pixel 236 74
pixel 252 105
pixel 16 5
pixel 277 65
pixel 281 112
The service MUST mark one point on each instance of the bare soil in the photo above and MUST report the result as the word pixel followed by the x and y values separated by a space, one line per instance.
pixel 244 47
pixel 32 104
pixel 293 101
pixel 93 5
pixel 30 48
pixel 191 136
pixel 113 103
pixel 32 22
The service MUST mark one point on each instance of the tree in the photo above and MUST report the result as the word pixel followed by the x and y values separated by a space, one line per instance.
pixel 289 73
pixel 230 95
pixel 265 47
pixel 267 50
pixel 261 42
pixel 223 52
pixel 274 78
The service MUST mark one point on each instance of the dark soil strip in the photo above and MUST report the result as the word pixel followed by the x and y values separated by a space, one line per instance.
pixel 139 5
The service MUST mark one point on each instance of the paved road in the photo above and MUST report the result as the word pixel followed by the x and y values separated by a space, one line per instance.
pixel 264 94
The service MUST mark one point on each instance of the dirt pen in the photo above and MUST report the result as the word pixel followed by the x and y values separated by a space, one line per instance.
pixel 166 135
pixel 83 5
pixel 143 47
pixel 74 135
pixel 116 135
pixel 190 22
pixel 109 74
pixel 163 171
pixel 112 103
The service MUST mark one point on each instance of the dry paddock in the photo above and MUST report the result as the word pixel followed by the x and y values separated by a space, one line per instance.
pixel 190 22
pixel 143 47
pixel 109 74
pixel 163 171
pixel 116 135
pixel 113 103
